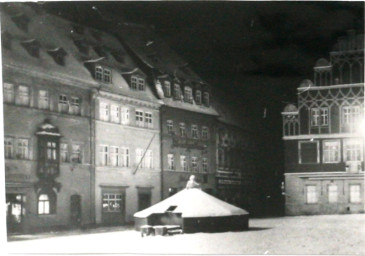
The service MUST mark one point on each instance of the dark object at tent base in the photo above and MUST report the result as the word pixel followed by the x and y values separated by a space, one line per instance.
pixel 215 224
pixel 197 224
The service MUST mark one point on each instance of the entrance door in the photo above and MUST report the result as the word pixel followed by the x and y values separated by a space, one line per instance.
pixel 75 210
pixel 144 201
pixel 14 212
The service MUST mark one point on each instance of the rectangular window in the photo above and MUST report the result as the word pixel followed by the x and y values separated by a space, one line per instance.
pixel 114 156
pixel 167 87
pixel 170 162
pixel 9 147
pixel 63 104
pixel 139 118
pixel 194 164
pixel 125 115
pixel 350 114
pixel 140 84
pixel 149 159
pixel 355 194
pixel 124 157
pixel 107 76
pixel 198 97
pixel 112 202
pixel 308 152
pixel 205 164
pixel 23 95
pixel 9 93
pixel 206 98
pixel 99 73
pixel 104 155
pixel 311 194
pixel 324 116
pixel 148 120
pixel 43 99
pixel 319 116
pixel 104 111
pixel 183 163
pixel 315 117
pixel 177 92
pixel 205 132
pixel 75 106
pixel 194 131
pixel 352 150
pixel 170 127
pixel 22 148
pixel 114 113
pixel 182 129
pixel 331 151
pixel 76 153
pixel 43 204
pixel 134 82
pixel 64 152
pixel 332 193
pixel 51 151
pixel 139 155
pixel 188 95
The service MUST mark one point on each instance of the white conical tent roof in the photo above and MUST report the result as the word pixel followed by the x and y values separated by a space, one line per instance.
pixel 193 203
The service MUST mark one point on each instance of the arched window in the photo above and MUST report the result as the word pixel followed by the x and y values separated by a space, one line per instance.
pixel 46 202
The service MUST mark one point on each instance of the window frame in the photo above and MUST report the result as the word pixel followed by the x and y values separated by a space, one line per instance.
pixel 23 95
pixel 148 118
pixel 8 155
pixel 183 163
pixel 76 150
pixel 103 155
pixel 356 200
pixel 115 113
pixel 167 88
pixel 205 132
pixel 194 131
pixel 170 161
pixel 359 143
pixel 19 154
pixel 194 164
pixel 300 151
pixel 125 116
pixel 311 198
pixel 9 93
pixel 63 103
pixel 104 111
pixel 114 157
pixel 43 100
pixel 206 99
pixel 124 157
pixel 324 152
pixel 332 195
pixel 198 97
pixel 64 152
pixel 139 117
pixel 75 105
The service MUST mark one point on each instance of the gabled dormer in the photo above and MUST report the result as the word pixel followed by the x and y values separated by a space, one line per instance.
pixel 32 46
pixel 58 54
pixel 99 70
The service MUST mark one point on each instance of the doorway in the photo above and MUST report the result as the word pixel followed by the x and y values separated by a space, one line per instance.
pixel 15 212
pixel 75 210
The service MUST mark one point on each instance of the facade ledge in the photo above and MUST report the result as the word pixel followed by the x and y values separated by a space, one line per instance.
pixel 290 113
pixel 130 100
pixel 127 126
pixel 316 88
pixel 323 136
pixel 325 174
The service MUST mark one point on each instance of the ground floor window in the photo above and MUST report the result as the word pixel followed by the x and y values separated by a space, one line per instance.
pixel 311 194
pixel 46 202
pixel 332 193
pixel 355 193
pixel 112 202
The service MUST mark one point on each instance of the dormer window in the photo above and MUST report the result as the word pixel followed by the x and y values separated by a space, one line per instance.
pixel 188 94
pixel 198 97
pixel 32 47
pixel 177 92
pixel 167 89
pixel 206 98
pixel 82 47
pixel 58 55
pixel 21 21
pixel 6 40
pixel 103 74
pixel 137 83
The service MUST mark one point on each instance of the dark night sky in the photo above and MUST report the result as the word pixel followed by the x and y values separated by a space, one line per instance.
pixel 257 51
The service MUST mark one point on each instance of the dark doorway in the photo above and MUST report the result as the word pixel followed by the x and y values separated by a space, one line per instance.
pixel 75 210
pixel 14 212
pixel 144 200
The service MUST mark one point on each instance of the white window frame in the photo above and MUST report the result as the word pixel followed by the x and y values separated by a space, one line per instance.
pixel 104 113
pixel 139 118
pixel 311 194
pixel 44 204
pixel 183 163
pixel 148 119
pixel 300 151
pixel 75 103
pixel 99 73
pixel 104 155
pixel 107 76
pixel 330 154
pixel 148 159
pixel 125 115
pixel 9 93
pixel 115 113
pixel 9 147
pixel 188 94
pixel 64 154
pixel 139 155
pixel 194 164
pixel 22 148
pixel 205 164
pixel 23 95
pixel 170 162
pixel 355 194
pixel 112 201
pixel 354 149
pixel 51 151
pixel 124 159
pixel 63 104
pixel 43 99
pixel 114 156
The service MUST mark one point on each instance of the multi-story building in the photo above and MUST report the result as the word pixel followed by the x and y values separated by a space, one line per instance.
pixel 47 117
pixel 187 117
pixel 324 135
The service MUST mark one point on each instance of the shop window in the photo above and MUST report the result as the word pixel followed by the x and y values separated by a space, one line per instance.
pixel 311 192
pixel 355 194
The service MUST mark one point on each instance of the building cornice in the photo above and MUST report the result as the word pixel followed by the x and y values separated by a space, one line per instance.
pixel 127 126
pixel 323 136
pixel 129 100
pixel 337 86
pixel 49 75
pixel 290 113
pixel 324 174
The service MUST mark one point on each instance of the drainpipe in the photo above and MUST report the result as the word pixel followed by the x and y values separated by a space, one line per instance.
pixel 161 153
pixel 92 156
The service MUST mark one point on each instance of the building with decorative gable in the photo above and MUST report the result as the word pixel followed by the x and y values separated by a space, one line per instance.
pixel 324 135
